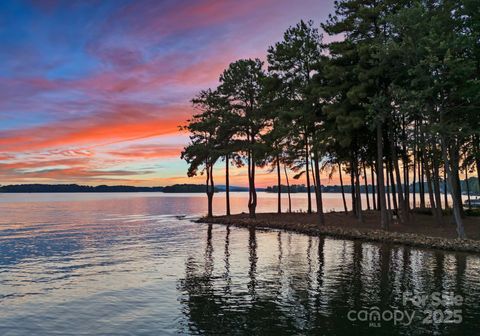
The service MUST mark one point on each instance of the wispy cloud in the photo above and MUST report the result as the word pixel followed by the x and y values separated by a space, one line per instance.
pixel 84 84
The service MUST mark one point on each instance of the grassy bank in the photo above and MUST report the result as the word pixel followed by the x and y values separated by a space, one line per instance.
pixel 422 231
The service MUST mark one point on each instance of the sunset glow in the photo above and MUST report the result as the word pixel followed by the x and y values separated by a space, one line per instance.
pixel 93 92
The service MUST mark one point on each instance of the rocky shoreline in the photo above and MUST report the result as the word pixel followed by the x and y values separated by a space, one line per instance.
pixel 409 239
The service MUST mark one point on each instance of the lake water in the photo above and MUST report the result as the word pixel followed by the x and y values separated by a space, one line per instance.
pixel 136 264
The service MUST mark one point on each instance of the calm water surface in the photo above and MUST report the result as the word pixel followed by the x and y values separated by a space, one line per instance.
pixel 136 264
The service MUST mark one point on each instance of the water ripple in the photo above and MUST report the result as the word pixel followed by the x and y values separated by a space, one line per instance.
pixel 139 265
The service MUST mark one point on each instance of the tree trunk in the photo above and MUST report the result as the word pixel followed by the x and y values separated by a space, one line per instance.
pixel 478 173
pixel 358 203
pixel 421 179
pixel 406 182
pixel 318 190
pixel 307 163
pixel 227 183
pixel 373 187
pixel 392 185
pixel 389 199
pixel 378 191
pixel 436 188
pixel 314 177
pixel 252 198
pixel 445 193
pixel 456 206
pixel 414 191
pixel 405 164
pixel 366 186
pixel 415 162
pixel 254 194
pixel 279 183
pixel 341 186
pixel 352 188
pixel 468 187
pixel 434 208
pixel 477 159
pixel 403 216
pixel 210 205
pixel 288 189
pixel 454 160
pixel 381 183
pixel 210 189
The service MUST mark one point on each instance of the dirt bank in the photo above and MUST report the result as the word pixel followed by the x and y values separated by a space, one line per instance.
pixel 422 231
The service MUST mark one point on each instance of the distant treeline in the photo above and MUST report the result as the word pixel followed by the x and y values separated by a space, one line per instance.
pixel 75 188
pixel 295 188
pixel 186 188
pixel 473 187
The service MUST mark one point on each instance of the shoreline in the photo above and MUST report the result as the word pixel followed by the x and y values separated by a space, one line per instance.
pixel 336 227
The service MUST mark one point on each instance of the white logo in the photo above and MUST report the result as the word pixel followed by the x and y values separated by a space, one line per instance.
pixel 430 308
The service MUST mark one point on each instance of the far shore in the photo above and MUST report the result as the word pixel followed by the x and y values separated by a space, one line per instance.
pixel 422 231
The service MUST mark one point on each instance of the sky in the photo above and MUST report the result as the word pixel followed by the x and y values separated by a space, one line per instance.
pixel 92 92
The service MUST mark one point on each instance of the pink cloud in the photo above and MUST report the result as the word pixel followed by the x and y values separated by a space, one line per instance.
pixel 122 123
pixel 148 151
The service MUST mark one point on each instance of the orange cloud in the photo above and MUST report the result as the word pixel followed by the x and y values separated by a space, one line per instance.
pixel 148 151
pixel 126 122
pixel 23 165
pixel 4 157
pixel 79 173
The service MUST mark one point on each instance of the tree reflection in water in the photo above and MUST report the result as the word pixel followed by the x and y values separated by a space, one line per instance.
pixel 311 291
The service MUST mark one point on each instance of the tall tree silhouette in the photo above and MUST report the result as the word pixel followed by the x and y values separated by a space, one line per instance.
pixel 242 84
